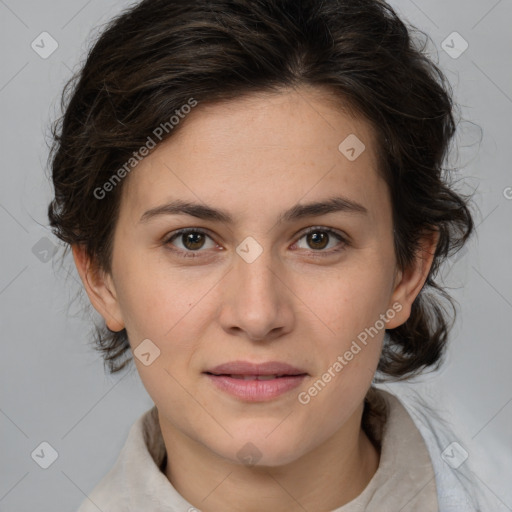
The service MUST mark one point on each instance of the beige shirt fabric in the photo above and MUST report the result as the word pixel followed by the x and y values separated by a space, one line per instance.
pixel 404 481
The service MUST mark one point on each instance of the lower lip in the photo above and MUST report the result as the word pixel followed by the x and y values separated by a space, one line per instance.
pixel 256 390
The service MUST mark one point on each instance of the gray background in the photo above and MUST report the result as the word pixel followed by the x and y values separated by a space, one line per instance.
pixel 52 384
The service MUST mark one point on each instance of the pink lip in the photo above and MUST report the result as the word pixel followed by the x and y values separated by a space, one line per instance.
pixel 246 368
pixel 287 378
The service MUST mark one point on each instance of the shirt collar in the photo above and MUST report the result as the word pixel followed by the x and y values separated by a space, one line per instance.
pixel 404 480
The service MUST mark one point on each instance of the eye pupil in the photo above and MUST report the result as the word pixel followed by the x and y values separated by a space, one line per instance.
pixel 317 237
pixel 195 240
pixel 190 240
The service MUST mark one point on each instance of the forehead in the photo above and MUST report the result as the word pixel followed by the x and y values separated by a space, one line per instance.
pixel 260 148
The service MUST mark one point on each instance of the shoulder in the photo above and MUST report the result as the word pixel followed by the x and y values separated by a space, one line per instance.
pixel 111 494
pixel 136 481
pixel 458 486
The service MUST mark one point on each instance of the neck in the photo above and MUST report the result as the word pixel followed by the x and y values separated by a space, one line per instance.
pixel 324 479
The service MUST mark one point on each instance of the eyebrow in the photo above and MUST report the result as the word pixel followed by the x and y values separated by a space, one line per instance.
pixel 297 212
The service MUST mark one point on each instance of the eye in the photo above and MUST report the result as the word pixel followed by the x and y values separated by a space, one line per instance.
pixel 187 242
pixel 191 240
pixel 318 238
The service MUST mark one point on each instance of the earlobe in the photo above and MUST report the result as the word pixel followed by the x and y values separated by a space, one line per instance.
pixel 99 288
pixel 410 281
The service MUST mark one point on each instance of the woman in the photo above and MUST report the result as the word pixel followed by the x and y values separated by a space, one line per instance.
pixel 254 196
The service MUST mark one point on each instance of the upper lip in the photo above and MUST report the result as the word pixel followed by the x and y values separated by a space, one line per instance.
pixel 247 368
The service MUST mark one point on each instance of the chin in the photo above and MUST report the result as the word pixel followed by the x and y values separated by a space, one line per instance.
pixel 258 451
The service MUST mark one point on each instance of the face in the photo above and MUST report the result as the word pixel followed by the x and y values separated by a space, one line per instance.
pixel 267 281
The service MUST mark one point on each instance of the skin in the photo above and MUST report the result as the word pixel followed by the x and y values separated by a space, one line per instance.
pixel 256 157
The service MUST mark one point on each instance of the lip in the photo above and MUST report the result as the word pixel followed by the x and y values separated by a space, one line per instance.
pixel 247 368
pixel 240 379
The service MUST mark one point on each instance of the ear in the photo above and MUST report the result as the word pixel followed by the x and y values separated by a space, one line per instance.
pixel 409 282
pixel 100 289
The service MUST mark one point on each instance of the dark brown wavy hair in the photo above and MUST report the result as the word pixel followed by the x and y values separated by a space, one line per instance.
pixel 156 55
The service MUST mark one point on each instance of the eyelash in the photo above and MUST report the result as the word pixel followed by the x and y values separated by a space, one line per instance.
pixel 192 254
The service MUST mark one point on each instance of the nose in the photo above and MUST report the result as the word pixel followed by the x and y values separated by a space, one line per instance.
pixel 257 303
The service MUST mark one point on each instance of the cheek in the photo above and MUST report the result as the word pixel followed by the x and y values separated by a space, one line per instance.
pixel 157 300
pixel 349 336
pixel 352 299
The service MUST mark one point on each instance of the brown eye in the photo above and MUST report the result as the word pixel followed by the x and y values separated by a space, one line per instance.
pixel 193 241
pixel 188 241
pixel 317 240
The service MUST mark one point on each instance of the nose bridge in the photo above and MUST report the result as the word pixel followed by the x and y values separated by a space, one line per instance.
pixel 258 302
pixel 255 270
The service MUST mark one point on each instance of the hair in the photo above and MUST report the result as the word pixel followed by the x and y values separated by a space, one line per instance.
pixel 155 56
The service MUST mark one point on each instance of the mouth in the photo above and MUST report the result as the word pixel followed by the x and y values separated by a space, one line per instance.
pixel 256 382
pixel 251 371
pixel 254 377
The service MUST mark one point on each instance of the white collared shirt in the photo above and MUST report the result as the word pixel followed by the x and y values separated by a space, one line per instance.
pixel 411 476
